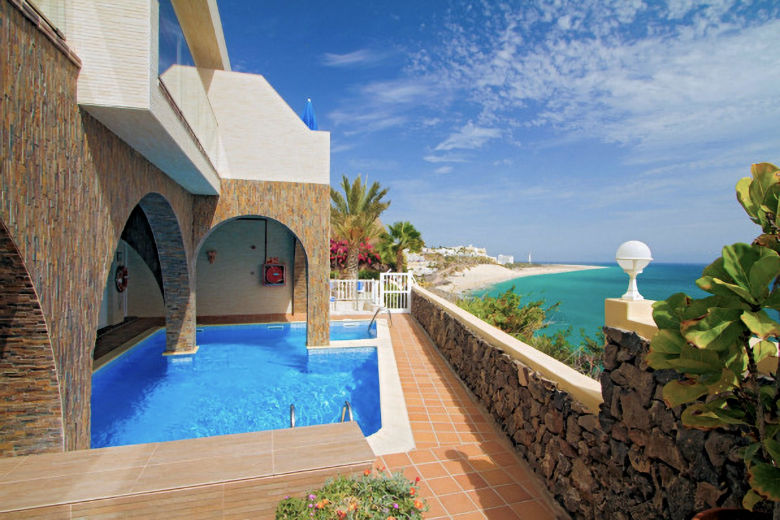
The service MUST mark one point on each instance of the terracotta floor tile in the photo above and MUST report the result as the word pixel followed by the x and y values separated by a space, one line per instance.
pixel 443 426
pixel 448 438
pixel 429 437
pixel 532 510
pixel 456 467
pixel 432 470
pixel 496 477
pixel 469 481
pixel 439 417
pixel 486 498
pixel 443 485
pixel 422 456
pixel 513 493
pixel 435 509
pixel 502 513
pixel 471 515
pixel 448 453
pixel 504 459
pixel 397 460
pixel 418 416
pixel 469 437
pixel 458 503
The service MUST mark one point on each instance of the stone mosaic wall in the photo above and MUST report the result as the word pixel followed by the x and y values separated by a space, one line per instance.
pixel 304 208
pixel 68 188
pixel 633 459
pixel 29 397
pixel 299 279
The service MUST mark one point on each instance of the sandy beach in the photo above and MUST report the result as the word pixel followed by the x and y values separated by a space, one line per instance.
pixel 483 275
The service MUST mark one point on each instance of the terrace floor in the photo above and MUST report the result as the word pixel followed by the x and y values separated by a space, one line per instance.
pixel 466 465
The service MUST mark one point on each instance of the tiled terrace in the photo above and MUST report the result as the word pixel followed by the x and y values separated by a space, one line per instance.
pixel 467 466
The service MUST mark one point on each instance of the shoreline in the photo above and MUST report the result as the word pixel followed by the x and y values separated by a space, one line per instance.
pixel 485 275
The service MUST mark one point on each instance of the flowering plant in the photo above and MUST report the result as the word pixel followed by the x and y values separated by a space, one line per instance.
pixel 368 497
pixel 338 254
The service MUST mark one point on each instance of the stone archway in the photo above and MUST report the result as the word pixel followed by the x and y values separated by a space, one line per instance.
pixel 228 262
pixel 30 401
pixel 177 291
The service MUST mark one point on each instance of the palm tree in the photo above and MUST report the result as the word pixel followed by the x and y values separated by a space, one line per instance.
pixel 353 216
pixel 402 236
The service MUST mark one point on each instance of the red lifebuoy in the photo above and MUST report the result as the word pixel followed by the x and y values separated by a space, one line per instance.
pixel 274 274
pixel 120 278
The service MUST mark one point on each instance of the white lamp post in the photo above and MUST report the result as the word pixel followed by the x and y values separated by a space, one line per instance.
pixel 633 256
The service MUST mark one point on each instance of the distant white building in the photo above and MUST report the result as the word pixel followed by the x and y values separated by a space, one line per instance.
pixel 505 259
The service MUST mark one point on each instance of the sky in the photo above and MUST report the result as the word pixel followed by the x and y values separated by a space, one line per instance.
pixel 552 127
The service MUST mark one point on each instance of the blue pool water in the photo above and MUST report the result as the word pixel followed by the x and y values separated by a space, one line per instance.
pixel 582 293
pixel 242 379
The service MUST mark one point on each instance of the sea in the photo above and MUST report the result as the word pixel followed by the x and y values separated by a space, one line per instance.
pixel 581 294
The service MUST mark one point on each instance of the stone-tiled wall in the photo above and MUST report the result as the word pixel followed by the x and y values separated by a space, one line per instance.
pixel 30 404
pixel 69 186
pixel 633 459
pixel 302 207
pixel 299 279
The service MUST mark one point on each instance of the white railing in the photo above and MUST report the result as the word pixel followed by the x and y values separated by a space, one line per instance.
pixel 392 291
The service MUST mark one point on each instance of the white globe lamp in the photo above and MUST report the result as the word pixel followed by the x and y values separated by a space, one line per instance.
pixel 633 256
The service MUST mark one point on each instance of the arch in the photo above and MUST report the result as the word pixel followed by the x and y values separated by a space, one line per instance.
pixel 178 296
pixel 287 246
pixel 305 209
pixel 30 400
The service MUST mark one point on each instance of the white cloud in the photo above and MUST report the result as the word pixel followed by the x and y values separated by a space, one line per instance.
pixel 443 170
pixel 468 138
pixel 448 158
pixel 706 79
pixel 358 57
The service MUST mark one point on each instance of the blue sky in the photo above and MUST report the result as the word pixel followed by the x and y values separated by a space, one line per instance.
pixel 561 128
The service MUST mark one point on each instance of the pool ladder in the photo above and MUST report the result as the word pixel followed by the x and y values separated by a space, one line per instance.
pixel 378 310
pixel 346 413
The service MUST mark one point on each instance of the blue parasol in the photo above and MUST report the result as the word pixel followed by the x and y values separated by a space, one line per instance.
pixel 308 115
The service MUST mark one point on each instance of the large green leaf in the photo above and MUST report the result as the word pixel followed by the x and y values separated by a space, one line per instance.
pixel 773 448
pixel 773 302
pixel 699 417
pixel 763 272
pixel 750 499
pixel 743 196
pixel 761 324
pixel 764 349
pixel 676 393
pixel 765 480
pixel 729 290
pixel 718 330
pixel 737 260
pixel 667 342
pixel 669 312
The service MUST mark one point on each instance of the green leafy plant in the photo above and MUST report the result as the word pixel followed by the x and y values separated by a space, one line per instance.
pixel 508 312
pixel 369 497
pixel 724 345
pixel 398 238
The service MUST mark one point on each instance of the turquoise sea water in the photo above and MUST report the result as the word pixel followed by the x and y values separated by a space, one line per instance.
pixel 582 293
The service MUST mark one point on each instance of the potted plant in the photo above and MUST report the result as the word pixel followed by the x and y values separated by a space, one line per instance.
pixel 725 345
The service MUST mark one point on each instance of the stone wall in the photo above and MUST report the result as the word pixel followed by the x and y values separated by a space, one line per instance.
pixel 29 397
pixel 633 459
pixel 69 185
pixel 305 209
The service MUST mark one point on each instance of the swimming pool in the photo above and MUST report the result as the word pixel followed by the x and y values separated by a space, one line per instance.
pixel 243 378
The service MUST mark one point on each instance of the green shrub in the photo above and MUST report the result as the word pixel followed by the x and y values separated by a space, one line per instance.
pixel 523 321
pixel 362 498
pixel 368 274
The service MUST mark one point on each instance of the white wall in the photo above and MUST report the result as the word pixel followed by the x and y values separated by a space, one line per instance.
pixel 144 298
pixel 232 284
pixel 263 138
